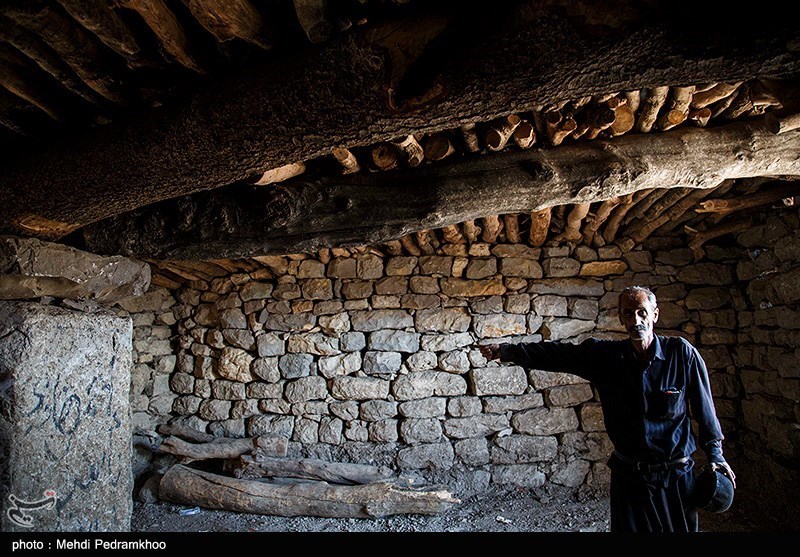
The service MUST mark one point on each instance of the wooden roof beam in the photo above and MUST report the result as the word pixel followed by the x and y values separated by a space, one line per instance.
pixel 350 210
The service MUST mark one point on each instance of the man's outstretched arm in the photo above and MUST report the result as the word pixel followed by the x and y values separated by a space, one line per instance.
pixel 579 359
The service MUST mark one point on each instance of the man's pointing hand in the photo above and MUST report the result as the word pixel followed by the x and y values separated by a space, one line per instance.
pixel 490 351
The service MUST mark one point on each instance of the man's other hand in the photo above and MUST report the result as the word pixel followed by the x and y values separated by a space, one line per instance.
pixel 490 351
pixel 725 468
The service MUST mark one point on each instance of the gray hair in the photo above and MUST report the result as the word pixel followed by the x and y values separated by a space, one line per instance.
pixel 631 291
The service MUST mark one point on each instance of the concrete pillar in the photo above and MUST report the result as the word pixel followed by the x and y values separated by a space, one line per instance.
pixel 65 430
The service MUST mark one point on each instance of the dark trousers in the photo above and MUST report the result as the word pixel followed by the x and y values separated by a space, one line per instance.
pixel 659 502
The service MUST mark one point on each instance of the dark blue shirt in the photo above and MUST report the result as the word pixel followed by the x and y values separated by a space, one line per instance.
pixel 645 404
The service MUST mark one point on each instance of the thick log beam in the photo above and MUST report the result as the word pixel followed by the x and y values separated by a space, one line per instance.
pixel 185 485
pixel 246 123
pixel 352 210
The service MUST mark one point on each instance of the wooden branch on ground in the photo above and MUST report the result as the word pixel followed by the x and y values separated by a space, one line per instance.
pixel 187 433
pixel 184 485
pixel 227 448
pixel 311 469
pixel 267 444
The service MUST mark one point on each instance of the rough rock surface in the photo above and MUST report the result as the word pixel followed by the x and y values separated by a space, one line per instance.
pixel 31 268
pixel 66 379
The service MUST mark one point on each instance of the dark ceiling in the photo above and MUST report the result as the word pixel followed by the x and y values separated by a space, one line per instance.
pixel 118 116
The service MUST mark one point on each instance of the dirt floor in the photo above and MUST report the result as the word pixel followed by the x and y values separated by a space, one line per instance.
pixel 497 510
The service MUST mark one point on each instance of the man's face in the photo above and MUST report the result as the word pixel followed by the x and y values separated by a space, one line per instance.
pixel 637 315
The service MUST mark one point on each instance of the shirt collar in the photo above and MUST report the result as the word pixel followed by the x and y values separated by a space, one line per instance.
pixel 658 353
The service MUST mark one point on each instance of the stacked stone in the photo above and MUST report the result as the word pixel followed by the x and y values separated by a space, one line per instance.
pixel 367 350
pixel 376 355
pixel 768 351
pixel 153 357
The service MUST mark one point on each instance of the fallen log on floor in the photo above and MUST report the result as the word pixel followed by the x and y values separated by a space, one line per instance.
pixel 184 485
pixel 220 448
pixel 187 433
pixel 310 468
pixel 270 445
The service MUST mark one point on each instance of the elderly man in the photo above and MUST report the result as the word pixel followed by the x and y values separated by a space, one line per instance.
pixel 647 384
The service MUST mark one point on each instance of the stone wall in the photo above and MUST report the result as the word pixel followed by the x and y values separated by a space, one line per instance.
pixel 373 358
pixel 767 359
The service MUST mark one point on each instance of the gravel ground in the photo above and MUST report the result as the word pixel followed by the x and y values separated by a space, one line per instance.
pixel 497 510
